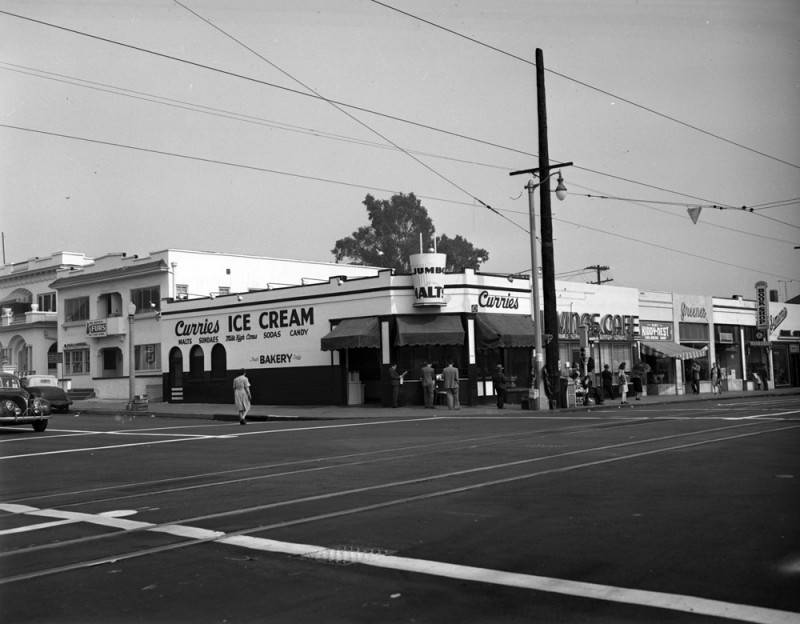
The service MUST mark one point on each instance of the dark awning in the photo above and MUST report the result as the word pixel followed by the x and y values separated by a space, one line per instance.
pixel 429 329
pixel 353 333
pixel 663 348
pixel 504 330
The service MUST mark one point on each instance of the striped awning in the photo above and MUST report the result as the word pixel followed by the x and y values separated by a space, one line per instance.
pixel 664 348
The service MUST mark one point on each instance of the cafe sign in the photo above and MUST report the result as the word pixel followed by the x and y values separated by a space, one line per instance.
pixel 427 278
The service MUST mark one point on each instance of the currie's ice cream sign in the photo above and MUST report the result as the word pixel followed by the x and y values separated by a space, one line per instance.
pixel 427 278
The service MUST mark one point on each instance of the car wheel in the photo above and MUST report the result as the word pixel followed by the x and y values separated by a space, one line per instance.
pixel 40 425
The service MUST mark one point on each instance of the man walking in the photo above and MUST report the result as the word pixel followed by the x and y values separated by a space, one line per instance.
pixel 428 384
pixel 450 374
pixel 499 381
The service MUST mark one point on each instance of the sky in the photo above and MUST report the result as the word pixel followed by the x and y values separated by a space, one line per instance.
pixel 212 128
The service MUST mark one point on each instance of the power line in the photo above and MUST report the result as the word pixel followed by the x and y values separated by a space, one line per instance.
pixel 670 249
pixel 243 117
pixel 349 184
pixel 715 206
pixel 222 113
pixel 338 103
pixel 590 86
pixel 419 161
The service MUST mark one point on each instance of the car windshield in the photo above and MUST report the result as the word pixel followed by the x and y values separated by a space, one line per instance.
pixel 9 382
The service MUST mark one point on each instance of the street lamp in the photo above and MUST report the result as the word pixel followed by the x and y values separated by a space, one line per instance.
pixel 537 378
pixel 131 357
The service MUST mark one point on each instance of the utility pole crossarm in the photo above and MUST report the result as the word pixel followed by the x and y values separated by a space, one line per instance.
pixel 536 170
pixel 598 268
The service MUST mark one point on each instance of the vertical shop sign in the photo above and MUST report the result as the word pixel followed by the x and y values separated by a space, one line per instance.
pixel 427 278
pixel 762 307
pixel 762 314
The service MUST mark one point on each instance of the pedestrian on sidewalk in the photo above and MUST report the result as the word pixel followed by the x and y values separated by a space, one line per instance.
pixel 396 380
pixel 608 382
pixel 241 396
pixel 548 388
pixel 715 379
pixel 696 378
pixel 622 382
pixel 499 382
pixel 428 384
pixel 450 374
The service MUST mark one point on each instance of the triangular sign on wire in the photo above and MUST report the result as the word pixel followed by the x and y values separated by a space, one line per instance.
pixel 694 212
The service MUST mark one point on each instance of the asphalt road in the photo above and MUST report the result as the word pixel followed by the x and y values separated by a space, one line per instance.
pixel 671 513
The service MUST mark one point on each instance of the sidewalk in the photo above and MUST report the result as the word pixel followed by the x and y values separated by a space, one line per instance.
pixel 227 412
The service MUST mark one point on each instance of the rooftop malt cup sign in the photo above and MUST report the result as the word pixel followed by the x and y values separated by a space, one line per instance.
pixel 427 278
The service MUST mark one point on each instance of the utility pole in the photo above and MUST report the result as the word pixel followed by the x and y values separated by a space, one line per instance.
pixel 548 262
pixel 598 268
pixel 543 171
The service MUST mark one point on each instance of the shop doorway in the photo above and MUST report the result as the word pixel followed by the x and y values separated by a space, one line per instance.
pixel 175 377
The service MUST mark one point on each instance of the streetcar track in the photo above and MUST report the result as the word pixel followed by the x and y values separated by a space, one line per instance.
pixel 181 528
pixel 447 445
pixel 428 479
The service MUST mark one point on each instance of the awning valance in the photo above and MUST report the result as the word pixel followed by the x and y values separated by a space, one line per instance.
pixel 504 330
pixel 353 333
pixel 663 348
pixel 429 329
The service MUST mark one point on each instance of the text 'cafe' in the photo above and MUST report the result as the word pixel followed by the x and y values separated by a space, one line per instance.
pixel 332 343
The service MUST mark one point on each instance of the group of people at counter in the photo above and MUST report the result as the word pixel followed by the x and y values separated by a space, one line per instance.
pixel 448 379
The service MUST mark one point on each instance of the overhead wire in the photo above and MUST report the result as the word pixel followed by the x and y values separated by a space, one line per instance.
pixel 419 161
pixel 283 126
pixel 221 113
pixel 588 86
pixel 233 74
pixel 350 184
pixel 337 102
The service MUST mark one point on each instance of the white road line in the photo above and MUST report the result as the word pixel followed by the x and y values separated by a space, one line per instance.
pixel 653 599
pixel 22 509
pixel 594 591
pixel 212 437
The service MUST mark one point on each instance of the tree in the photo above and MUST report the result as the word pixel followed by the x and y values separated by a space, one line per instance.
pixel 393 235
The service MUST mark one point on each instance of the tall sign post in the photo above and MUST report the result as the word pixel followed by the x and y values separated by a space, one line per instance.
pixel 131 358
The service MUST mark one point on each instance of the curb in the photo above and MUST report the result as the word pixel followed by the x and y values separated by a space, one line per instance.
pixel 381 412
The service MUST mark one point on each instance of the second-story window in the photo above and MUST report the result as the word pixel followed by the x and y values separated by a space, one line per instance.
pixel 47 302
pixel 76 309
pixel 143 297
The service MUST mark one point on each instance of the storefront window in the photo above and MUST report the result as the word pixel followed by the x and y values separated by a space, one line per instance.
pixel 411 359
pixel 780 364
pixel 662 369
pixel 148 357
pixel 728 349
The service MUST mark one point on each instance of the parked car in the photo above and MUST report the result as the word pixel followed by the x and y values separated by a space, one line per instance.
pixel 18 407
pixel 46 386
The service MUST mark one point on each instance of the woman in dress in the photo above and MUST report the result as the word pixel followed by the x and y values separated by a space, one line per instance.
pixel 241 396
pixel 622 382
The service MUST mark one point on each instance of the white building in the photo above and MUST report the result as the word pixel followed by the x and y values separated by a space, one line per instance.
pixel 101 303
pixel 28 312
